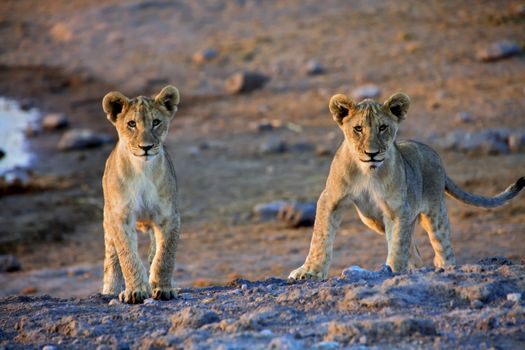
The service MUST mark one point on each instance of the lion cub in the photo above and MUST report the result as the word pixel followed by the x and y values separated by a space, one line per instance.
pixel 140 193
pixel 392 184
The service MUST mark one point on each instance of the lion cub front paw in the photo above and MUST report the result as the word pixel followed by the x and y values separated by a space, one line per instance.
pixel 135 296
pixel 166 293
pixel 303 273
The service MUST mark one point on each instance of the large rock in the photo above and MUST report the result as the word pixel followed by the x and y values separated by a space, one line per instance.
pixel 273 145
pixel 9 263
pixel 297 214
pixel 268 211
pixel 499 50
pixel 244 82
pixel 78 139
pixel 487 141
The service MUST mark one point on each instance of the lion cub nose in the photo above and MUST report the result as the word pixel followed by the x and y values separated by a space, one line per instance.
pixel 371 154
pixel 146 148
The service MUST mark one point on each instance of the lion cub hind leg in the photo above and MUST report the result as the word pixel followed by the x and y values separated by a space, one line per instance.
pixel 166 238
pixel 436 224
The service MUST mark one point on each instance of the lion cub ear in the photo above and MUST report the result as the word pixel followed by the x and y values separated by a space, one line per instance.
pixel 397 105
pixel 113 103
pixel 340 106
pixel 169 98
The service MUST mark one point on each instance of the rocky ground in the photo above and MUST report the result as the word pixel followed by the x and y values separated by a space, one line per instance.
pixel 475 306
pixel 243 140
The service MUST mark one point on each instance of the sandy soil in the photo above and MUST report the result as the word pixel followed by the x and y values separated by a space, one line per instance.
pixel 63 56
pixel 468 307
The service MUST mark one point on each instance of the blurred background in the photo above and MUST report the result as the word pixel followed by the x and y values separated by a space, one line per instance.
pixel 253 136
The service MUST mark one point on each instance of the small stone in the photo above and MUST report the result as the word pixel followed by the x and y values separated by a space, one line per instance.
pixel 356 273
pixel 263 126
pixel 298 214
pixel 9 263
pixel 266 332
pixel 61 33
pixel 366 91
pixel 327 345
pixel 151 302
pixel 191 317
pixel 49 347
pixel 476 304
pixel 205 55
pixel 78 139
pixel 463 118
pixel 323 151
pixel 244 82
pixel 2 153
pixel 29 290
pixel 268 211
pixel 363 339
pixel 244 287
pixel 516 142
pixel 313 67
pixel 499 50
pixel 514 297
pixel 273 145
pixel 114 302
pixel 286 343
pixel 55 121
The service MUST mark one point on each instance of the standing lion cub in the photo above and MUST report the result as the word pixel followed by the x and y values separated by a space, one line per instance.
pixel 140 193
pixel 392 184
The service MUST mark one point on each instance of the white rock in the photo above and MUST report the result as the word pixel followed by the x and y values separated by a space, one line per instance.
pixel 81 139
pixel 515 297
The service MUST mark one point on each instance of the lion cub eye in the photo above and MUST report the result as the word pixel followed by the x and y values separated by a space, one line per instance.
pixel 358 128
pixel 156 122
pixel 132 124
pixel 383 127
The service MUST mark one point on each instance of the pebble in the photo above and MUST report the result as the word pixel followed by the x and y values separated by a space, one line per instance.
pixel 268 211
pixel 114 302
pixel 49 347
pixel 2 153
pixel 313 67
pixel 516 142
pixel 266 332
pixel 366 91
pixel 463 118
pixel 244 82
pixel 55 121
pixel 78 139
pixel 297 214
pixel 205 55
pixel 499 50
pixel 151 302
pixel 273 145
pixel 327 345
pixel 514 297
pixel 9 263
pixel 286 343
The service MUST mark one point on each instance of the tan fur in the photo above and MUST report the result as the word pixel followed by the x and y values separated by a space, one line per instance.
pixel 392 184
pixel 140 194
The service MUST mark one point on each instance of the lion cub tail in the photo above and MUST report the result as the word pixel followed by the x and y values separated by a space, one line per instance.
pixel 457 193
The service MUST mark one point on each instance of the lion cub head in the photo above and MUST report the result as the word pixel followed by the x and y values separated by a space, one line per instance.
pixel 142 123
pixel 369 127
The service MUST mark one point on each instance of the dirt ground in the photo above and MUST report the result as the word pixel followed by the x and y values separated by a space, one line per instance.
pixel 63 56
pixel 468 307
